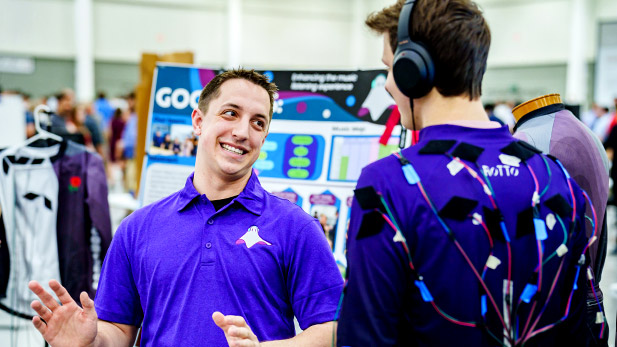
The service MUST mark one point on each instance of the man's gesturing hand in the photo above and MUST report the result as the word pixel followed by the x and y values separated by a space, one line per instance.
pixel 237 332
pixel 66 324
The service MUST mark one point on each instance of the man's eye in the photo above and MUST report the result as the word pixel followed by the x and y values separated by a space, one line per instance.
pixel 260 123
pixel 230 112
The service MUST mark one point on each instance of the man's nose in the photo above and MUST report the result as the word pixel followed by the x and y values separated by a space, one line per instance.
pixel 241 130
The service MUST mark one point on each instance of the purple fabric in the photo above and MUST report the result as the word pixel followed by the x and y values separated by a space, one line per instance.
pixel 173 263
pixel 82 205
pixel 383 306
pixel 582 155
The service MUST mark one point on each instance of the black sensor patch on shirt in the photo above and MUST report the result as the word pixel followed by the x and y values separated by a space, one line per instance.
pixel 458 208
pixel 437 147
pixel 372 224
pixel 467 152
pixel 368 198
pixel 559 205
pixel 493 220
pixel 517 149
pixel 529 147
pixel 524 223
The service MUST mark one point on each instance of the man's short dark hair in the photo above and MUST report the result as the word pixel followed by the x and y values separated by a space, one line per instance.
pixel 455 34
pixel 212 89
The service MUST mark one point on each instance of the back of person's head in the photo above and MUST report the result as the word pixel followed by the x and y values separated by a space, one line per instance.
pixel 456 36
pixel 118 113
pixel 212 89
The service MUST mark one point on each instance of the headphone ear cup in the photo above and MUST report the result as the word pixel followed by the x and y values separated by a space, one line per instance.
pixel 413 70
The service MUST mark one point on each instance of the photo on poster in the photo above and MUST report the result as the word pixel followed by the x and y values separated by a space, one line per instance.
pixel 325 208
pixel 174 139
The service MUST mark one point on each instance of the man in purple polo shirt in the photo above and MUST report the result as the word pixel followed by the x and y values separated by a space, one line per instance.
pixel 221 244
pixel 470 237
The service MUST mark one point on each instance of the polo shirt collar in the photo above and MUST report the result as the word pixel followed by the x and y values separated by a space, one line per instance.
pixel 187 194
pixel 251 198
pixel 253 195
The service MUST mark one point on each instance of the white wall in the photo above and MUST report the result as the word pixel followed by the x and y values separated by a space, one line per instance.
pixel 292 34
pixel 278 34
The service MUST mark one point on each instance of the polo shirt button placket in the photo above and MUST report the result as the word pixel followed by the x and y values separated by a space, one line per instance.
pixel 208 245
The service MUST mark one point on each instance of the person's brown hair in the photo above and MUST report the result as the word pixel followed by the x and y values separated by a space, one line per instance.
pixel 455 34
pixel 212 89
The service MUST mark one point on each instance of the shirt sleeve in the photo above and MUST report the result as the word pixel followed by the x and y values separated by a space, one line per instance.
pixel 314 281
pixel 117 299
pixel 377 280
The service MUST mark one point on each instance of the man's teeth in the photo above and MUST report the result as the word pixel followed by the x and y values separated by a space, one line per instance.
pixel 232 149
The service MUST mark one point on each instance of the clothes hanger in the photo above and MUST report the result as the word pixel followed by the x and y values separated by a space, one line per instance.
pixel 40 133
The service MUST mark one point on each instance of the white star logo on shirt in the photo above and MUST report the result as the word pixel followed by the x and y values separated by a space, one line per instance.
pixel 251 237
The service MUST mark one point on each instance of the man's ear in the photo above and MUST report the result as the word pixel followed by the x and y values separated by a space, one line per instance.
pixel 197 118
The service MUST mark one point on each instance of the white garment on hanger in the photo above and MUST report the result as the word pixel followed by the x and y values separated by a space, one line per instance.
pixel 29 201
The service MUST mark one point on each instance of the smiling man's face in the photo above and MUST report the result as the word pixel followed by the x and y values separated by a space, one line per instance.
pixel 233 129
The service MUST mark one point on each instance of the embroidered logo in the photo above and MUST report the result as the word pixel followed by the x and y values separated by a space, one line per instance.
pixel 74 183
pixel 251 237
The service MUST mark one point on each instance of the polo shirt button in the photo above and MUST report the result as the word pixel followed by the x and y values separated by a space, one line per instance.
pixel 208 245
pixel 210 221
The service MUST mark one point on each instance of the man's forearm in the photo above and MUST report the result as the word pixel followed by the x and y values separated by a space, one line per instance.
pixel 316 335
pixel 114 334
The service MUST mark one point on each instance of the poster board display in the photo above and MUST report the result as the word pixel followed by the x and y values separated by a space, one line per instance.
pixel 326 127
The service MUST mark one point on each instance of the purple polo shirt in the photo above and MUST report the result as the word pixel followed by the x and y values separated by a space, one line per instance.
pixel 173 263
pixel 383 306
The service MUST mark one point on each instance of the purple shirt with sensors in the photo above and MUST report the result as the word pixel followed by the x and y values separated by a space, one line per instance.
pixel 173 263
pixel 442 302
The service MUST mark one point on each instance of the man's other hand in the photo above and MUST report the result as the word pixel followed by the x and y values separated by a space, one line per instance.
pixel 237 332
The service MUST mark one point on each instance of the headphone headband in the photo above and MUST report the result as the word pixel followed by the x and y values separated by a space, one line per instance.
pixel 403 21
pixel 413 68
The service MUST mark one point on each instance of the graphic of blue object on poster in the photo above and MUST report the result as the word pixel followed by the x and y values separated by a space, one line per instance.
pixel 291 156
pixel 289 194
pixel 325 207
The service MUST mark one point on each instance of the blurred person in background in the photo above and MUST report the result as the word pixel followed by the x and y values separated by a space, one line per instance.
pixel 104 110
pixel 490 112
pixel 503 112
pixel 116 127
pixel 602 123
pixel 92 123
pixel 127 144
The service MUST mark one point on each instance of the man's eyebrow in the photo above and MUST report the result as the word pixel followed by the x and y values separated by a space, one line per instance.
pixel 229 104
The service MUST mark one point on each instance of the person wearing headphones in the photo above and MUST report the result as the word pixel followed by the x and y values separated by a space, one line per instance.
pixel 469 237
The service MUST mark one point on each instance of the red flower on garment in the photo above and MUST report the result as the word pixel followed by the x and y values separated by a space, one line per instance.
pixel 74 182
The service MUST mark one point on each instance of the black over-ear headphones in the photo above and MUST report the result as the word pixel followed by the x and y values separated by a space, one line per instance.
pixel 413 67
